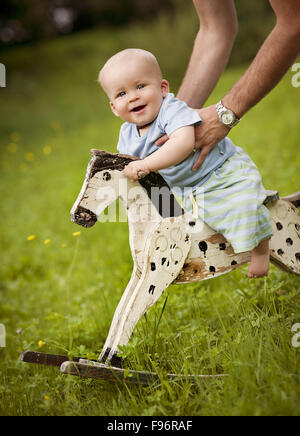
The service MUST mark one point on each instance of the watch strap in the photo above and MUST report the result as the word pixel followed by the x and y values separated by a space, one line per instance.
pixel 221 109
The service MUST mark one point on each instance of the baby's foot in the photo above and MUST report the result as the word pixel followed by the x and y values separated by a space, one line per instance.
pixel 260 260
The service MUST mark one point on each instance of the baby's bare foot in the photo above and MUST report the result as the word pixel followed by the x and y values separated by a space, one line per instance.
pixel 260 261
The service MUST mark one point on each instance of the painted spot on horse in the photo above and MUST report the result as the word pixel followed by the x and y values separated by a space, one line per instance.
pixel 106 176
pixel 151 289
pixel 203 247
pixel 279 226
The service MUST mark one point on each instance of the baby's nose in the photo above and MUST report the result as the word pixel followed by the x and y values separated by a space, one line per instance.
pixel 133 96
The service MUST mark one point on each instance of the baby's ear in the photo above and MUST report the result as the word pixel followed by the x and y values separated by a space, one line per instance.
pixel 112 106
pixel 165 87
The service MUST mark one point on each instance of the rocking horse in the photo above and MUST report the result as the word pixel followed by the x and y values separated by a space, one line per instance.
pixel 168 245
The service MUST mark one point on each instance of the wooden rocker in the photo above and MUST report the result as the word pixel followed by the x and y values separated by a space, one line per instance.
pixel 168 246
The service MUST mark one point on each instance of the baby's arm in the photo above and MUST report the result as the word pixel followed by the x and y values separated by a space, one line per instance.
pixel 178 147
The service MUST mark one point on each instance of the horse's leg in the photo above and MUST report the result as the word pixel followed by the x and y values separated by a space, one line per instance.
pixel 118 315
pixel 165 252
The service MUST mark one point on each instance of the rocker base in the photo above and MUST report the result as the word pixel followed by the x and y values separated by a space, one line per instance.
pixel 111 373
pixel 92 369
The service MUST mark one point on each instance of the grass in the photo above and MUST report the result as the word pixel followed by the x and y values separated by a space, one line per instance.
pixel 62 294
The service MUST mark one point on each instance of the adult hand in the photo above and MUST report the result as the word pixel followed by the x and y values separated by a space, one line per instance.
pixel 208 133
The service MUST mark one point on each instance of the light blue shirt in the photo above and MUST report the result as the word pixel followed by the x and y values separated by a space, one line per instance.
pixel 173 115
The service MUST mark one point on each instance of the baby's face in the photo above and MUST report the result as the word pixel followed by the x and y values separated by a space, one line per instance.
pixel 135 91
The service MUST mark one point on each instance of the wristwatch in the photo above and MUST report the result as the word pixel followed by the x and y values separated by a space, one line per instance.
pixel 226 116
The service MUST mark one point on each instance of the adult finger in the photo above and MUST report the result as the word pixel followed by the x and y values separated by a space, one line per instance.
pixel 161 141
pixel 204 152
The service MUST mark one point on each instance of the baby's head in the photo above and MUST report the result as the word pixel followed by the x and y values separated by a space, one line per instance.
pixel 133 82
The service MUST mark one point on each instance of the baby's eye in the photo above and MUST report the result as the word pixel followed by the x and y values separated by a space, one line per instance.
pixel 121 94
pixel 140 86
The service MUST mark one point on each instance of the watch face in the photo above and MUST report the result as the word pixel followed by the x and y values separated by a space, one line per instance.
pixel 227 118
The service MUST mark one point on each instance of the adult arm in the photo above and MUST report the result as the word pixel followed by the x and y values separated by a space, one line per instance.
pixel 211 51
pixel 271 63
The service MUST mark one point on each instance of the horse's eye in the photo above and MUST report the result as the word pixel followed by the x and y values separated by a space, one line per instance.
pixel 106 176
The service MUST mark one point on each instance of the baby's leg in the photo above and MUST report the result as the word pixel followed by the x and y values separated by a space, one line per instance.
pixel 260 260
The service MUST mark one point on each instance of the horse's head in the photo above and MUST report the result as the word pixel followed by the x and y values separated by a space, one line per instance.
pixel 101 187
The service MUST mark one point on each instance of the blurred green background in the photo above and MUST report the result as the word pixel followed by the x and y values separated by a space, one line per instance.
pixel 23 21
pixel 58 292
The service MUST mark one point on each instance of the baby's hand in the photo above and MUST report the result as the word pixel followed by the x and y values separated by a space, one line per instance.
pixel 136 170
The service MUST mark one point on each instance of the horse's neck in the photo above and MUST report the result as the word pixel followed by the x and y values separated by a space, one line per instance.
pixel 142 215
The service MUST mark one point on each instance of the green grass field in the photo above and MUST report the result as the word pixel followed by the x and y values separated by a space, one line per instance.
pixel 59 291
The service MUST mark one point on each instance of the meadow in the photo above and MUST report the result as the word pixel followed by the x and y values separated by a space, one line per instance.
pixel 59 288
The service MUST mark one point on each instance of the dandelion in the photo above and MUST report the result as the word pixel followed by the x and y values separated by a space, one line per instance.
pixel 76 234
pixel 15 136
pixel 41 344
pixel 47 150
pixel 29 156
pixel 12 147
pixel 47 241
pixel 31 237
pixel 47 398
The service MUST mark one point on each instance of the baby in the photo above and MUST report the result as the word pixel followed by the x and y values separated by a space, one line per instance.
pixel 229 180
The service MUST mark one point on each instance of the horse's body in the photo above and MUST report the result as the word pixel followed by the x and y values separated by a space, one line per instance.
pixel 168 245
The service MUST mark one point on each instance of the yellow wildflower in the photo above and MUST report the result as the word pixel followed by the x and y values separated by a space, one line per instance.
pixel 41 344
pixel 76 233
pixel 47 398
pixel 12 147
pixel 29 156
pixel 47 150
pixel 47 241
pixel 15 136
pixel 31 237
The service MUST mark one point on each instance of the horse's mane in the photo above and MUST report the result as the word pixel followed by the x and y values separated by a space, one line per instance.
pixel 103 160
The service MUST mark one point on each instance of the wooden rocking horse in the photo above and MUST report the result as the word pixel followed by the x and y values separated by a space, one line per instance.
pixel 168 246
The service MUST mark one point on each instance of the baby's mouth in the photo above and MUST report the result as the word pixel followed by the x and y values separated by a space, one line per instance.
pixel 138 108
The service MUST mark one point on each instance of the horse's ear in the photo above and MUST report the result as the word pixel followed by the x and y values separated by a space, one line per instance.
pixel 96 152
pixel 104 160
pixel 103 154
